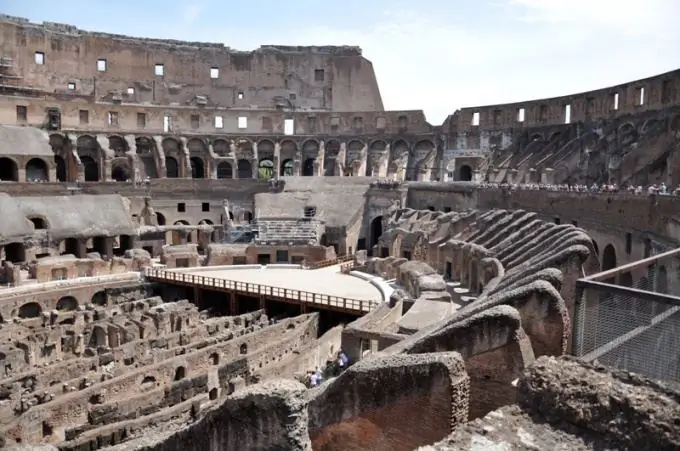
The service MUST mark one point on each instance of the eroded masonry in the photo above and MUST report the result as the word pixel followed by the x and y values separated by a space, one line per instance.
pixel 255 254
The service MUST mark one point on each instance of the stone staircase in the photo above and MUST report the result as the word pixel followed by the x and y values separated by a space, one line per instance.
pixel 287 231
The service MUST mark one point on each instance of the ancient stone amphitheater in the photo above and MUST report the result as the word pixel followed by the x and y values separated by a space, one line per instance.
pixel 189 232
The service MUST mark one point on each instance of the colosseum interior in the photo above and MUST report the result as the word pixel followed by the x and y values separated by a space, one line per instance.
pixel 209 249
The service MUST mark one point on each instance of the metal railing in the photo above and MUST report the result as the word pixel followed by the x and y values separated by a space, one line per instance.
pixel 629 317
pixel 286 294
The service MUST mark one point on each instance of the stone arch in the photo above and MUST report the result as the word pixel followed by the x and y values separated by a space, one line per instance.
pixel 171 167
pixel 145 148
pixel 376 231
pixel 378 145
pixel 99 298
pixel 287 167
pixel 215 358
pixel 212 395
pixel 221 147
pixel 308 167
pixel 243 349
pixel 399 155
pixel 30 310
pixel 62 173
pixel 265 169
pixel 160 219
pixel 244 168
pixel 608 258
pixel 224 170
pixel 67 303
pixel 310 148
pixel 37 170
pixel 465 173
pixel 196 146
pixel 90 168
pixel 331 151
pixel 15 252
pixel 39 222
pixel 118 145
pixel 288 150
pixel 180 373
pixel 197 168
pixel 120 170
pixel 9 170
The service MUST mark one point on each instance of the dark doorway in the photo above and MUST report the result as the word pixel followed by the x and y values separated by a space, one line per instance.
pixel 263 259
pixel 61 168
pixel 376 231
pixel 9 171
pixel 245 169
pixel 449 271
pixel 281 256
pixel 91 169
pixel 171 168
pixel 308 167
pixel 465 173
pixel 15 252
pixel 197 168
pixel 120 174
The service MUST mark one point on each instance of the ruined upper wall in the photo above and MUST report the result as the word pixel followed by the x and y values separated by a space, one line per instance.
pixel 653 93
pixel 64 59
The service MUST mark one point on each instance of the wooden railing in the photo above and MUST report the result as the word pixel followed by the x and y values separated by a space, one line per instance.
pixel 306 297
pixel 331 262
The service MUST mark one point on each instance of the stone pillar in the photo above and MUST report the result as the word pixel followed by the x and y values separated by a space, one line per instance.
pixel 255 166
pixel 185 163
pixel 234 168
pixel 108 247
pixel 321 155
pixel 277 160
pixel 159 158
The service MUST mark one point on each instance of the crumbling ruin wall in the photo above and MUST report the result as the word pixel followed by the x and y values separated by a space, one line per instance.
pixel 373 404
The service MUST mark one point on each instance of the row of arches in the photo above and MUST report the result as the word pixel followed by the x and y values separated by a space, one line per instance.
pixel 36 170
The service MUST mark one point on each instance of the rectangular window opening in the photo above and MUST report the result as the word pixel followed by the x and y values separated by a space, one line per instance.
pixel 113 118
pixel 629 243
pixel 615 101
pixel 289 127
pixel 195 121
pixel 475 119
pixel 84 117
pixel 22 113
pixel 167 123
pixel 520 115
pixel 159 70
pixel 71 86
pixel 39 58
pixel 219 122
pixel 141 120
pixel 214 73
pixel 641 96
pixel 319 75
pixel 101 65
pixel 131 91
pixel 240 95
pixel 181 207
pixel 242 122
pixel 567 114
pixel 205 206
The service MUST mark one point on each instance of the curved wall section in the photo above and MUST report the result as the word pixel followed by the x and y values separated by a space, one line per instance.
pixel 61 58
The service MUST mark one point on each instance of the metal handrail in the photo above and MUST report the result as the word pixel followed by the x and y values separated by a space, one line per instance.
pixel 266 290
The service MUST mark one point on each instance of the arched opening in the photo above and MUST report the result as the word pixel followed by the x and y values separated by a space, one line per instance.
pixel 243 349
pixel 215 358
pixel 308 167
pixel 30 310
pixel 213 394
pixel 197 168
pixel 287 167
pixel 465 173
pixel 171 168
pixel 120 173
pixel 376 231
pixel 99 298
pixel 90 168
pixel 608 258
pixel 71 247
pixel 38 223
pixel 67 303
pixel 36 170
pixel 245 169
pixel 224 170
pixel 61 168
pixel 9 172
pixel 15 252
pixel 265 170
pixel 160 219
pixel 180 373
pixel 148 381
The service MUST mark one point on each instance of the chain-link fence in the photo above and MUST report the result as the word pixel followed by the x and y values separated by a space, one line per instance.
pixel 629 317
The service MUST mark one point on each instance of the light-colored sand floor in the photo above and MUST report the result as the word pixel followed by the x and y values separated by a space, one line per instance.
pixel 328 280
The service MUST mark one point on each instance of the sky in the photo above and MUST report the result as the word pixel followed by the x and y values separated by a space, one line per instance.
pixel 434 55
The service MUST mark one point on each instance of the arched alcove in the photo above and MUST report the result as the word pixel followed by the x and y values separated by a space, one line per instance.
pixel 171 168
pixel 30 310
pixel 308 167
pixel 67 303
pixel 62 175
pixel 9 171
pixel 265 170
pixel 465 173
pixel 608 258
pixel 245 169
pixel 180 373
pixel 36 170
pixel 197 168
pixel 39 223
pixel 224 170
pixel 287 167
pixel 90 168
pixel 243 349
pixel 376 230
pixel 212 394
pixel 121 173
pixel 99 298
pixel 15 252
pixel 160 219
pixel 215 358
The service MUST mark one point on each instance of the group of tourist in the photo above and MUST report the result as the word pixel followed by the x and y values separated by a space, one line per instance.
pixel 655 189
pixel 333 368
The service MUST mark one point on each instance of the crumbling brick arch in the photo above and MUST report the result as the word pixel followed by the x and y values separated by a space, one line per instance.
pixel 180 373
pixel 9 170
pixel 99 298
pixel 30 310
pixel 39 222
pixel 37 170
pixel 67 304
pixel 89 152
pixel 121 171
pixel 331 152
pixel 145 148
pixel 243 349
